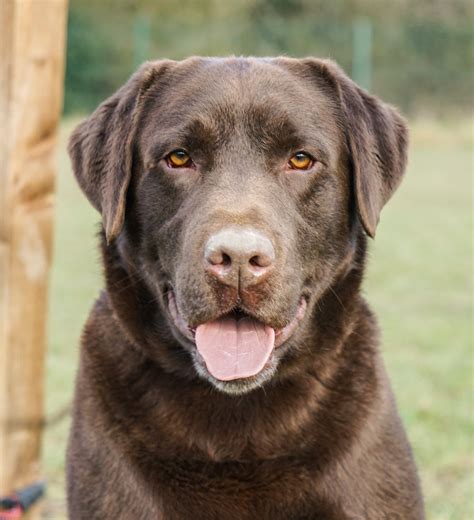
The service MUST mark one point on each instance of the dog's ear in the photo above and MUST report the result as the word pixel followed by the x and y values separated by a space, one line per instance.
pixel 101 148
pixel 377 138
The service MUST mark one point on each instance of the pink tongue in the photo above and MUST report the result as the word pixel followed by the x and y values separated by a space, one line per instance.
pixel 235 349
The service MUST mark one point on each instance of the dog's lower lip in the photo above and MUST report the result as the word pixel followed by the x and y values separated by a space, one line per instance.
pixel 281 335
pixel 178 320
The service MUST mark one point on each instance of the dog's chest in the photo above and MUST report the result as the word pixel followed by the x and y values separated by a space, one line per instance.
pixel 238 490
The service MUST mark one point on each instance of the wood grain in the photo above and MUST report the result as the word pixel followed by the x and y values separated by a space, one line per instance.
pixel 32 48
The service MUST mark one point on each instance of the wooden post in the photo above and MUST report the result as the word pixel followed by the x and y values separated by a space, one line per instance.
pixel 32 43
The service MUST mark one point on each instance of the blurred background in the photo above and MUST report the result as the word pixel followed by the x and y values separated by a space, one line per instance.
pixel 417 55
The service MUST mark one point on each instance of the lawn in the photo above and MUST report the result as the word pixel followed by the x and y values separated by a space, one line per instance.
pixel 419 282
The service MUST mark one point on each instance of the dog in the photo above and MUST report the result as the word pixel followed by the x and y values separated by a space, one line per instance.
pixel 230 368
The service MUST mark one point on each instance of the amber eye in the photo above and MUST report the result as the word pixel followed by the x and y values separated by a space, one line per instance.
pixel 178 159
pixel 301 161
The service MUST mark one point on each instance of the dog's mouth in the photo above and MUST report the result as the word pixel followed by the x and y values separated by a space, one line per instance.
pixel 235 345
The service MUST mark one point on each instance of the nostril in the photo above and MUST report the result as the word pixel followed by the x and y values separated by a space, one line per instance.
pixel 226 260
pixel 254 261
pixel 218 258
pixel 261 260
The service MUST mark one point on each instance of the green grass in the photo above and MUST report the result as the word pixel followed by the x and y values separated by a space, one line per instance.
pixel 419 282
pixel 75 282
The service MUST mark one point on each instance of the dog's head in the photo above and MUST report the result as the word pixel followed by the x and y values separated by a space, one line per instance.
pixel 235 189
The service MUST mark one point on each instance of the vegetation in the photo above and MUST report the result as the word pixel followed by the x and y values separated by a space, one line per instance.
pixel 421 54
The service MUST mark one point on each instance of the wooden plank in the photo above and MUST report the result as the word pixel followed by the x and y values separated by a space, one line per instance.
pixel 32 43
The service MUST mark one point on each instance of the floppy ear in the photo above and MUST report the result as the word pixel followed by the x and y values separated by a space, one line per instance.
pixel 101 147
pixel 377 138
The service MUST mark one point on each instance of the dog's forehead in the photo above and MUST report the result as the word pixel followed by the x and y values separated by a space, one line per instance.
pixel 248 95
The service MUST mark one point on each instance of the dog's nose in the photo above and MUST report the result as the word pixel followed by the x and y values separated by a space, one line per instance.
pixel 239 256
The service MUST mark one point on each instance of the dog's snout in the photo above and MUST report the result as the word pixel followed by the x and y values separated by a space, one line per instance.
pixel 239 256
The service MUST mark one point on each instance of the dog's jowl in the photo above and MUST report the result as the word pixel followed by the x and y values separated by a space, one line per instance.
pixel 230 369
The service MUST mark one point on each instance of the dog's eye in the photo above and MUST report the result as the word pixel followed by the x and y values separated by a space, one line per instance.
pixel 301 161
pixel 178 159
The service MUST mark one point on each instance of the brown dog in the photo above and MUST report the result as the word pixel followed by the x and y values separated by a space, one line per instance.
pixel 230 370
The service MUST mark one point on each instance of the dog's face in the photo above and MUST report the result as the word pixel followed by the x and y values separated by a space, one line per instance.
pixel 242 184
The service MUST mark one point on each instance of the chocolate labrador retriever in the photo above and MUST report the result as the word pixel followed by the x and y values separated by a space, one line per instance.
pixel 230 369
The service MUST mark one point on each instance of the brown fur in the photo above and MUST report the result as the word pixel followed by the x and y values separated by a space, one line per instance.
pixel 317 435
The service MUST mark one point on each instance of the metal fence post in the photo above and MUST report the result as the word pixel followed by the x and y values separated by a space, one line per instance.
pixel 141 39
pixel 362 52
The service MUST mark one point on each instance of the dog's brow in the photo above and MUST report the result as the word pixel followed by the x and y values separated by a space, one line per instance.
pixel 196 134
pixel 277 133
pixel 286 137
